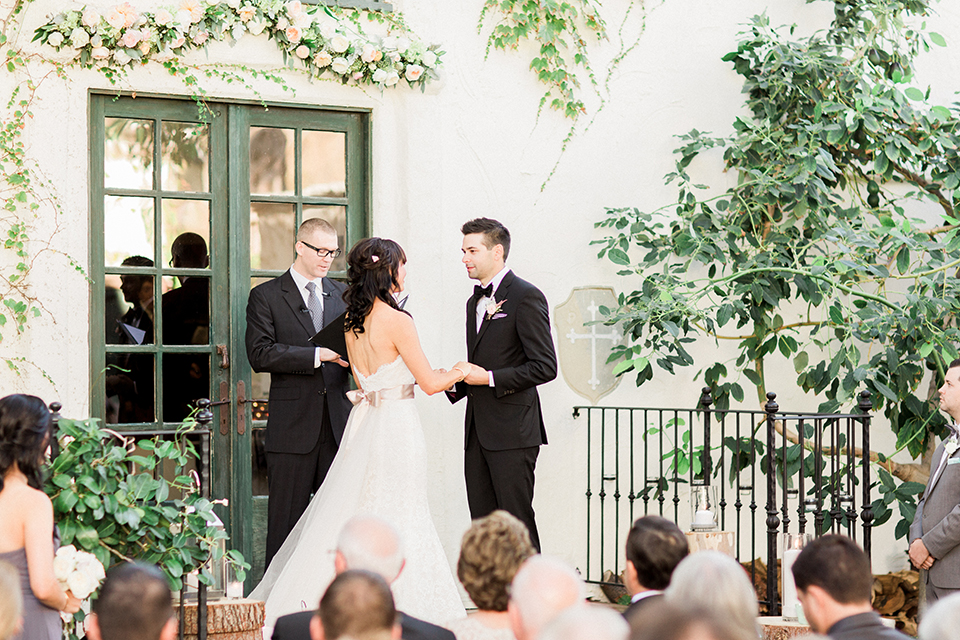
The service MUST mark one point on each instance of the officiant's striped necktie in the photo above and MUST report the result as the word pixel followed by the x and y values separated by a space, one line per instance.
pixel 315 306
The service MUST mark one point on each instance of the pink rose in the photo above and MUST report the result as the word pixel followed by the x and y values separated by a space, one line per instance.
pixel 293 33
pixel 163 17
pixel 247 13
pixel 194 8
pixel 302 51
pixel 90 18
pixel 178 42
pixel 131 37
pixel 130 15
pixel 200 38
pixel 100 53
pixel 322 59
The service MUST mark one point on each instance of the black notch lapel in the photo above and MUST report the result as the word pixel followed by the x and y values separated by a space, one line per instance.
pixel 498 296
pixel 292 295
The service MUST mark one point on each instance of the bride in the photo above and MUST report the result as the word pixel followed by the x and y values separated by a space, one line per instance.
pixel 381 466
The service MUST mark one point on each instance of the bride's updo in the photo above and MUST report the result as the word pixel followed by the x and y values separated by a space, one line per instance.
pixel 372 267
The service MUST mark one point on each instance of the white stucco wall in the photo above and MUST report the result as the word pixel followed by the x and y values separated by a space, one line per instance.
pixel 469 146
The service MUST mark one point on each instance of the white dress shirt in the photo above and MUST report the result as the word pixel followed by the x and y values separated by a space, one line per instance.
pixel 482 308
pixel 301 281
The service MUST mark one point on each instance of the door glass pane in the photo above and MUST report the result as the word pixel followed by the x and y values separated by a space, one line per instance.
pixel 324 162
pixel 127 229
pixel 127 154
pixel 337 216
pixel 272 235
pixel 186 377
pixel 131 320
pixel 129 384
pixel 186 223
pixel 271 161
pixel 186 312
pixel 184 160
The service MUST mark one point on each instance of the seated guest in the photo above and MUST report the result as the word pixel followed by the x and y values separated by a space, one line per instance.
pixel 716 583
pixel 596 622
pixel 491 552
pixel 372 544
pixel 940 622
pixel 541 590
pixel 11 602
pixel 357 605
pixel 134 604
pixel 664 620
pixel 655 546
pixel 835 587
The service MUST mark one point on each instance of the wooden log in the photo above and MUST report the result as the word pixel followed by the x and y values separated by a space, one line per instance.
pixel 240 619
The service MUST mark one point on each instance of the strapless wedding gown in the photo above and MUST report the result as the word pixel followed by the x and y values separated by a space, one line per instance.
pixel 380 469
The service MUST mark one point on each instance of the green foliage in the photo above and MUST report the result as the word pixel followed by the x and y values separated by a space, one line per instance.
pixel 816 254
pixel 110 500
pixel 560 28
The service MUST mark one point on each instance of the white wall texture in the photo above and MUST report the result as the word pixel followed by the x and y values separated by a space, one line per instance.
pixel 471 145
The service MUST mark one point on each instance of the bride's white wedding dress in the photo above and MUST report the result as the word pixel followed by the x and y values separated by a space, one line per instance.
pixel 380 469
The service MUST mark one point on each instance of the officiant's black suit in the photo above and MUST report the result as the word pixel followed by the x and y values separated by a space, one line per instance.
pixel 504 423
pixel 308 406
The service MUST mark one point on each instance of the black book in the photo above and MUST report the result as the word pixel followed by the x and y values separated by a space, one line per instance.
pixel 332 336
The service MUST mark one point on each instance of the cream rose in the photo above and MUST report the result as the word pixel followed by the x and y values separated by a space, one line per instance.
pixel 194 8
pixel 339 43
pixel 200 38
pixel 413 72
pixel 121 57
pixel 369 53
pixel 322 59
pixel 246 13
pixel 79 38
pixel 429 58
pixel 293 33
pixel 163 17
pixel 55 39
pixel 115 19
pixel 379 76
pixel 64 562
pixel 130 15
pixel 184 19
pixel 392 78
pixel 328 28
pixel 303 52
pixel 178 42
pixel 100 53
pixel 340 65
pixel 403 44
pixel 233 4
pixel 256 27
pixel 90 18
pixel 389 43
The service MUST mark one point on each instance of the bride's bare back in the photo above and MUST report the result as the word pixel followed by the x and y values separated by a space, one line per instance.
pixel 387 333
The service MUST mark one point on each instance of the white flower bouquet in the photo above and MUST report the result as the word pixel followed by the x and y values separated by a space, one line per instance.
pixel 77 571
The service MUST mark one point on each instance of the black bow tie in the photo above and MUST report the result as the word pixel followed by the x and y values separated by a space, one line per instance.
pixel 482 292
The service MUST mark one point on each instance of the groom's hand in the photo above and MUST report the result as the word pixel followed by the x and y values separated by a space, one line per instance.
pixel 328 355
pixel 477 376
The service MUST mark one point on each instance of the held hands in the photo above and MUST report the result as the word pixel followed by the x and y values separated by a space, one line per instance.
pixel 476 375
pixel 327 355
pixel 919 555
pixel 72 604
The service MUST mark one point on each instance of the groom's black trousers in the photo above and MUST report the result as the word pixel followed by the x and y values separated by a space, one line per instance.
pixel 501 480
pixel 293 478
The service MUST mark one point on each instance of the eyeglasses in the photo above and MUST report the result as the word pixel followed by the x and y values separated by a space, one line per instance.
pixel 323 253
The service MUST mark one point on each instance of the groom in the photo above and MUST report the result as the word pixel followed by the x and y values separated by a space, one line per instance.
pixel 308 384
pixel 511 349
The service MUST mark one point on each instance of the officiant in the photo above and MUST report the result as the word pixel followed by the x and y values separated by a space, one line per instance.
pixel 308 407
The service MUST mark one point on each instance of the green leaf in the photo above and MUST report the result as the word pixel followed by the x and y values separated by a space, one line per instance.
pixel 937 39
pixel 800 361
pixel 618 257
pixel 914 94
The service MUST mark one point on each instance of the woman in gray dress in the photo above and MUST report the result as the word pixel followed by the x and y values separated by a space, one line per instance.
pixel 26 516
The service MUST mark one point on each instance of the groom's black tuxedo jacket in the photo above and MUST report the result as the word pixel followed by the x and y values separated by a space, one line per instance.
pixel 279 329
pixel 516 345
pixel 296 626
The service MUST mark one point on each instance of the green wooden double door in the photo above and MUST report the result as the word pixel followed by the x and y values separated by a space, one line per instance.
pixel 190 208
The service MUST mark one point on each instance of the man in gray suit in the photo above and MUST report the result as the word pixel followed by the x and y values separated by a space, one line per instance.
pixel 935 532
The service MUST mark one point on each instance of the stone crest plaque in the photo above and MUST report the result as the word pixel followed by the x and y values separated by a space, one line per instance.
pixel 583 348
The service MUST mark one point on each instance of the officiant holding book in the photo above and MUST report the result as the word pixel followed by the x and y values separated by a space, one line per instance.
pixel 308 407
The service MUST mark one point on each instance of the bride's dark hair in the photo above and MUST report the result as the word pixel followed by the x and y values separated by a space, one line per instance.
pixel 372 267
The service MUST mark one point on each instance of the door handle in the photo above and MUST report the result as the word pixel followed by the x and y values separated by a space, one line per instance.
pixel 224 356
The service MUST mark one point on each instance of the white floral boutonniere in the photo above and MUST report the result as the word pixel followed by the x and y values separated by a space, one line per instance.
pixel 950 446
pixel 493 309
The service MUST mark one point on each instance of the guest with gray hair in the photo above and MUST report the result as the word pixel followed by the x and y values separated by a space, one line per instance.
pixel 543 588
pixel 666 620
pixel 716 583
pixel 587 621
pixel 942 620
pixel 366 543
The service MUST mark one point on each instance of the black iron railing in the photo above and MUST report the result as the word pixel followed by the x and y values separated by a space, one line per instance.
pixel 643 460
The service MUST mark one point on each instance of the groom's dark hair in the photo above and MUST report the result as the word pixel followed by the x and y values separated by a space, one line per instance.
pixel 493 232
